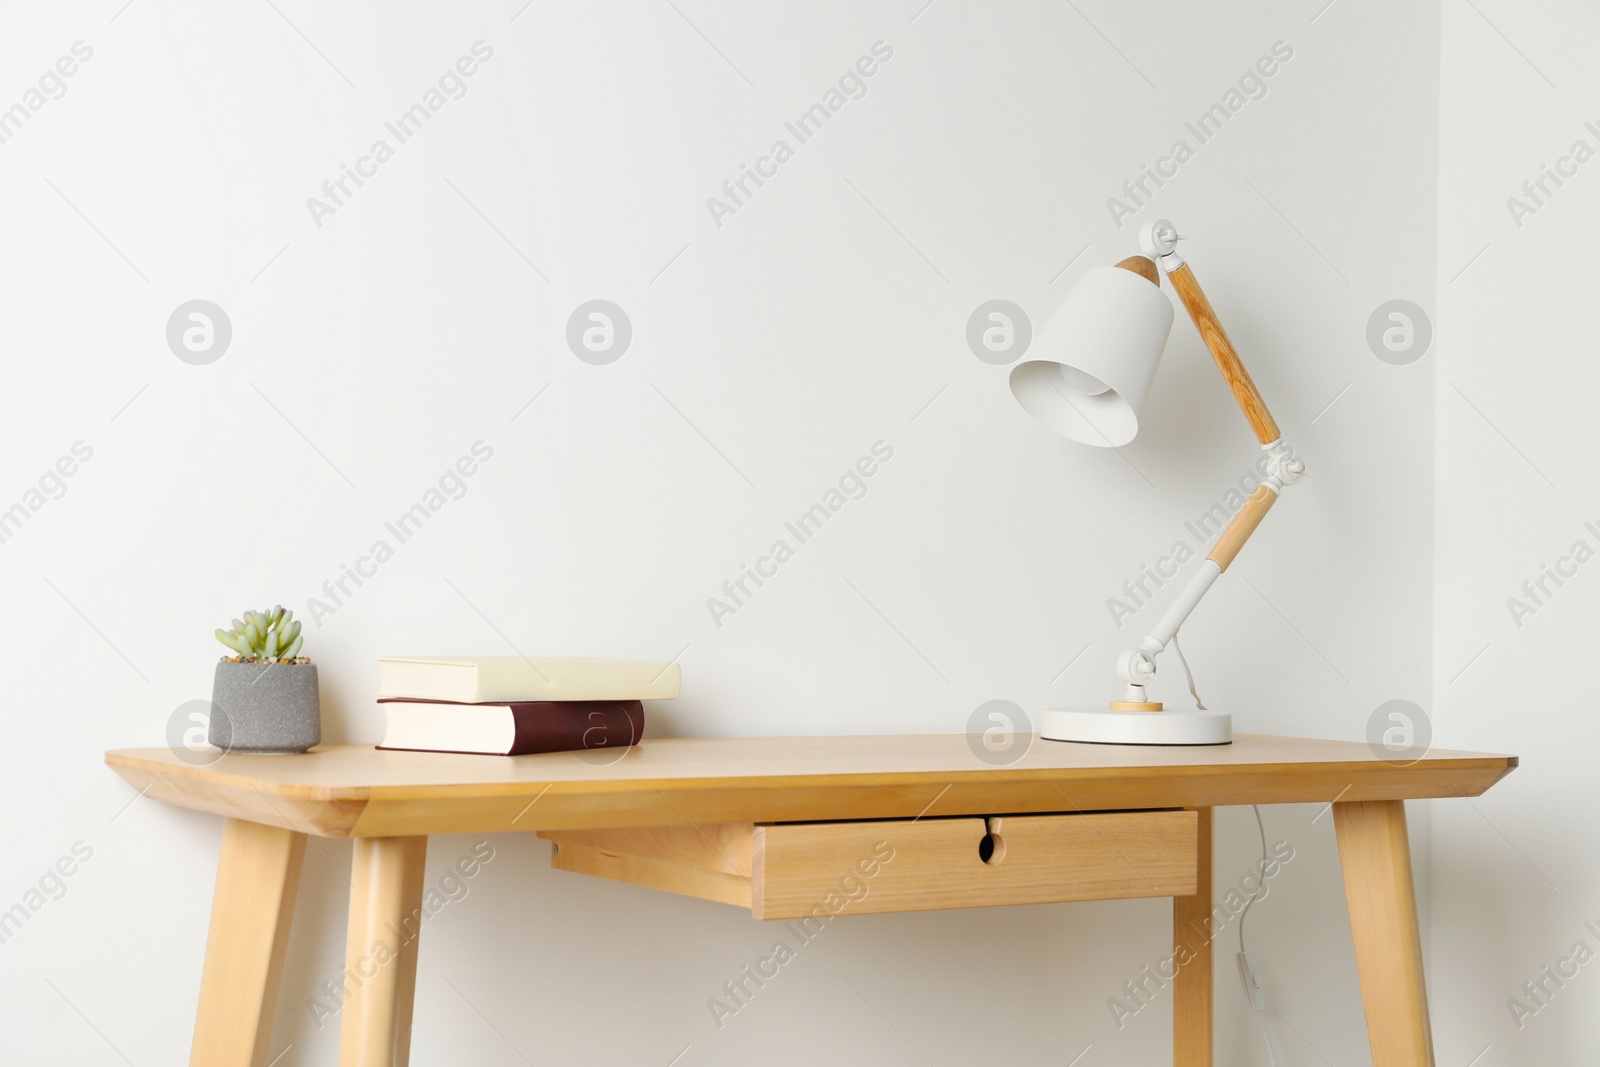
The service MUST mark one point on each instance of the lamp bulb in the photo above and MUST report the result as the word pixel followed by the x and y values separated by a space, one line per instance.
pixel 1082 382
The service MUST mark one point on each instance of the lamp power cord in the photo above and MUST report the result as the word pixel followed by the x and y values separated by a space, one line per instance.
pixel 1188 675
pixel 1249 977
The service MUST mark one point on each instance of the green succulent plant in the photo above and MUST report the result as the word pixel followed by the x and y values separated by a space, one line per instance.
pixel 272 635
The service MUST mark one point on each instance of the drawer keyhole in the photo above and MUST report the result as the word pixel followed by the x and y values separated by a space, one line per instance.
pixel 992 847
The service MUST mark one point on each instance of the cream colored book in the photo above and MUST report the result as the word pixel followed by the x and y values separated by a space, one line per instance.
pixel 507 679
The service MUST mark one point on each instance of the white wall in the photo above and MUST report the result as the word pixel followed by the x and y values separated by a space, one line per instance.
pixel 1515 874
pixel 768 354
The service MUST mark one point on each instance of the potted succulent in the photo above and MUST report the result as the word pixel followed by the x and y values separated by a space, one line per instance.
pixel 265 698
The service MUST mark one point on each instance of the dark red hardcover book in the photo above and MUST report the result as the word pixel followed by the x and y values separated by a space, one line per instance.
pixel 512 729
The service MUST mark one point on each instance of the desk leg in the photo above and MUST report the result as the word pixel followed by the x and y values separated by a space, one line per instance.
pixel 258 875
pixel 1191 989
pixel 1376 855
pixel 380 955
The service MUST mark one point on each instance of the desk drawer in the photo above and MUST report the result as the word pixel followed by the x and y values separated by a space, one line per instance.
pixel 939 863
pixel 794 870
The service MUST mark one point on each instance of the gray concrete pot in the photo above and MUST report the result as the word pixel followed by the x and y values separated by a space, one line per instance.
pixel 265 707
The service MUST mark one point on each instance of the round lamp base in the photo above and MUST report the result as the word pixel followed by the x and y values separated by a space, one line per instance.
pixel 1101 726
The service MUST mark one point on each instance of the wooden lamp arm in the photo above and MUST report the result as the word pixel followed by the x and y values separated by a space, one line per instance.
pixel 1137 666
pixel 1228 362
pixel 1232 539
pixel 1160 246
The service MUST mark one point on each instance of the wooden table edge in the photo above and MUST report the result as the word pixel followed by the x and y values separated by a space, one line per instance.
pixel 386 810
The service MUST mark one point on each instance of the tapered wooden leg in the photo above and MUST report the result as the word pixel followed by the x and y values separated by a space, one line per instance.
pixel 258 875
pixel 1191 938
pixel 406 974
pixel 1376 855
pixel 381 951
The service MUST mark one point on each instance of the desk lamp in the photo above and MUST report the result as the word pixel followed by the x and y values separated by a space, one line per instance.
pixel 1092 367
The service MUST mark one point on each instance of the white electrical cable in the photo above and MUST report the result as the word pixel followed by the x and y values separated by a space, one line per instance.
pixel 1187 674
pixel 1245 914
pixel 1247 964
pixel 1266 1035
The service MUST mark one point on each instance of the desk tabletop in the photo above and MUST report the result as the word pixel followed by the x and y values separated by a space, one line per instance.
pixel 358 791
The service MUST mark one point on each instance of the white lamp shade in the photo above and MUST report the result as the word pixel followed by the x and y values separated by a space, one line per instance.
pixel 1094 360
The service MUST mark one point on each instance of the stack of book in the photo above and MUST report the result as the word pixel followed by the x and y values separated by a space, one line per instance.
pixel 511 705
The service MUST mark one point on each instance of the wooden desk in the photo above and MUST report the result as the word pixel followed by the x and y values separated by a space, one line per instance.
pixel 706 817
